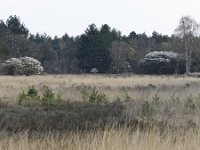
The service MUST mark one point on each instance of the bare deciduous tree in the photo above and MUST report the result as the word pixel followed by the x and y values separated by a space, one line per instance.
pixel 121 51
pixel 187 30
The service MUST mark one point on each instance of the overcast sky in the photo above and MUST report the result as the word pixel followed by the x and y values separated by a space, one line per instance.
pixel 56 17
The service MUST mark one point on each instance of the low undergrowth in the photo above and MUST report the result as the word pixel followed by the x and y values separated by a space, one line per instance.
pixel 32 98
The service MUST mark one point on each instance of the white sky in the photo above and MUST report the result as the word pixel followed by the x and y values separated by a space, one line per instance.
pixel 56 17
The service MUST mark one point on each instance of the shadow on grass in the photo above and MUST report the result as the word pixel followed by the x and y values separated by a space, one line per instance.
pixel 68 116
pixel 76 116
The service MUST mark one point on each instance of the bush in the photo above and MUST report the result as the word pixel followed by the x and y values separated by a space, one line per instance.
pixel 12 66
pixel 31 97
pixel 94 96
pixel 31 66
pixel 50 98
pixel 190 104
pixel 146 111
pixel 125 95
pixel 22 66
pixel 161 63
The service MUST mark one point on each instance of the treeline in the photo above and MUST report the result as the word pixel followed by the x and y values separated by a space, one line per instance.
pixel 104 48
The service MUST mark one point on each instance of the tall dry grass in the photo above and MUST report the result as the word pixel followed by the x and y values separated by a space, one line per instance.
pixel 113 139
pixel 175 126
pixel 138 87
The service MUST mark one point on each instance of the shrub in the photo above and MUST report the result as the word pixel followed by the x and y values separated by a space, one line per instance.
pixel 190 104
pixel 50 98
pixel 31 66
pixel 125 95
pixel 175 99
pixel 22 65
pixel 12 66
pixel 161 63
pixel 94 96
pixel 85 92
pixel 31 97
pixel 146 110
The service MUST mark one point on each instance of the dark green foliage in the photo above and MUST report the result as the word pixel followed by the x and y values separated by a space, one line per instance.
pixel 15 26
pixel 3 46
pixel 87 49
pixel 32 92
pixel 29 98
pixel 96 48
pixel 32 98
pixel 92 95
pixel 50 98
pixel 132 35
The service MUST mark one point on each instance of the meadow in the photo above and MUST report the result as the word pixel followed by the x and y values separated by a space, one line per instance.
pixel 140 112
pixel 138 87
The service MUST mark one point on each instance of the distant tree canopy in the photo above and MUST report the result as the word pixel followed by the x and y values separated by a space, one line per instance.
pixel 14 26
pixel 102 48
pixel 95 48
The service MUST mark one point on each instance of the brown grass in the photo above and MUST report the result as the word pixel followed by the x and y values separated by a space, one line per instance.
pixel 115 126
pixel 109 139
pixel 138 87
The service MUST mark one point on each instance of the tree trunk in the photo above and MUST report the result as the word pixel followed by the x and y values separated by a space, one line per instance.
pixel 187 63
pixel 187 57
pixel 190 60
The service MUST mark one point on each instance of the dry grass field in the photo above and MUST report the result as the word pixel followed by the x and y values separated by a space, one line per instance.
pixel 121 139
pixel 138 87
pixel 142 113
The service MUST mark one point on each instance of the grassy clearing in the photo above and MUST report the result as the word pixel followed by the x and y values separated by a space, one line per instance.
pixel 142 112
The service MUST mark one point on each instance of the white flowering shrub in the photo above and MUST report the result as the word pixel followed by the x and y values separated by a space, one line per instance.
pixel 169 55
pixel 31 66
pixel 22 65
pixel 159 63
pixel 12 66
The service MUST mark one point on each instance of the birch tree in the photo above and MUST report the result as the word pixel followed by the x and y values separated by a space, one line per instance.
pixel 188 30
pixel 122 52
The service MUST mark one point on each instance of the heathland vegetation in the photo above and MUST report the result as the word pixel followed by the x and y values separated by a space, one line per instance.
pixel 100 112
